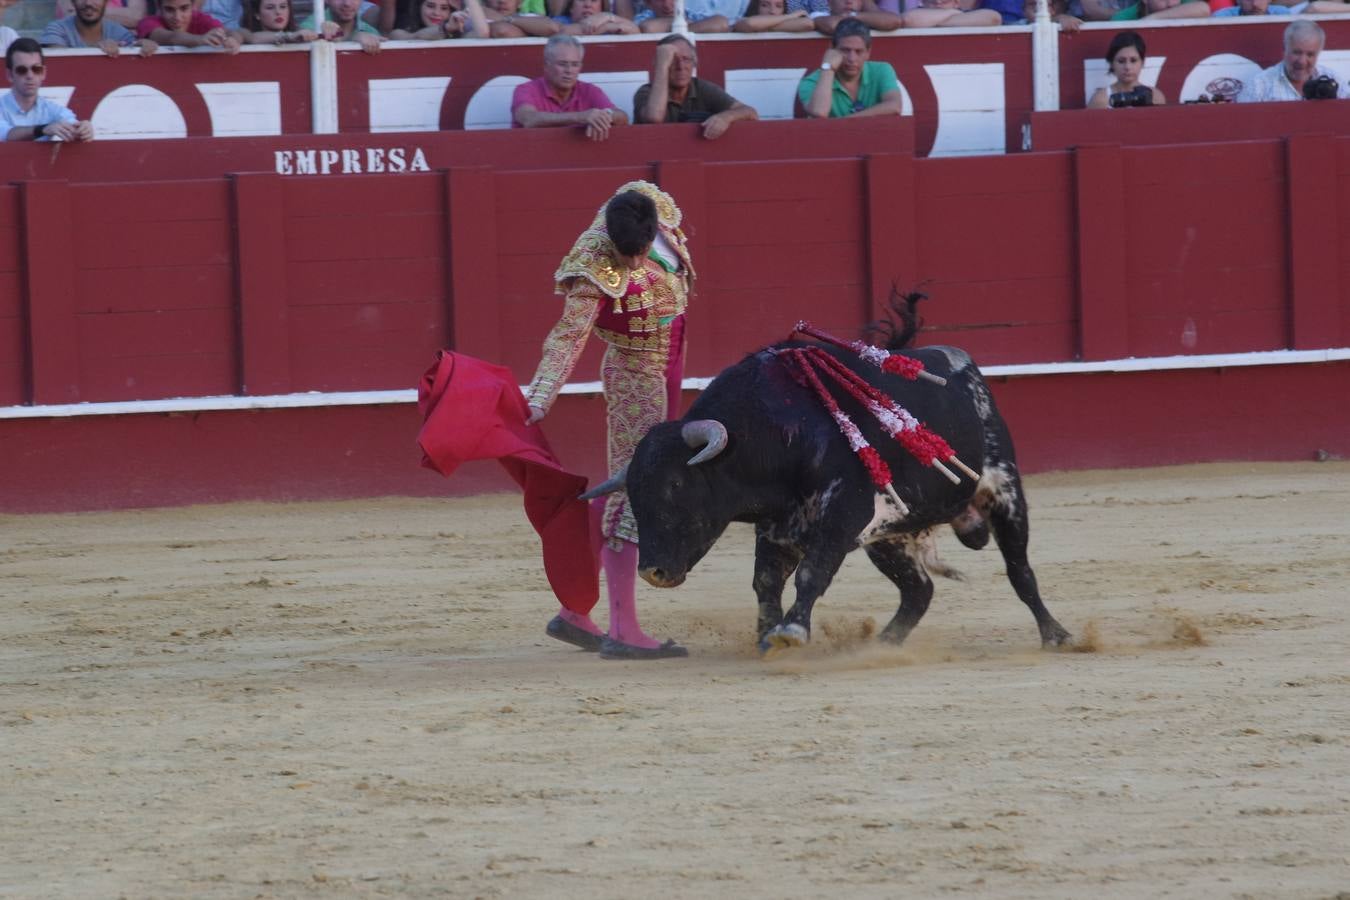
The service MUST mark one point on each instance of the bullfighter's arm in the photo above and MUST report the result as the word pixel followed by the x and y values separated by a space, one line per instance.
pixel 563 346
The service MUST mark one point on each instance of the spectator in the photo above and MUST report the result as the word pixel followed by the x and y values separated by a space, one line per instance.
pixel 1262 8
pixel 436 20
pixel 858 10
pixel 950 14
pixel 1059 14
pixel 1266 7
pixel 847 84
pixel 561 98
pixel 511 19
pixel 1167 9
pixel 273 22
pixel 24 116
pixel 559 7
pixel 1102 10
pixel 1009 11
pixel 89 27
pixel 675 95
pixel 589 17
pixel 1303 42
pixel 385 15
pixel 341 22
pixel 230 13
pixel 127 13
pixel 772 15
pixel 1125 56
pixel 178 24
pixel 658 15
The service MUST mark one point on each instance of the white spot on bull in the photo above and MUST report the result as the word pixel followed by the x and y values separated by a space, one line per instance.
pixel 996 489
pixel 919 548
pixel 957 359
pixel 922 548
pixel 810 512
pixel 884 515
pixel 984 405
pixel 783 636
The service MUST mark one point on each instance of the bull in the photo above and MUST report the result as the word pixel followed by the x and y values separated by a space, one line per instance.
pixel 759 447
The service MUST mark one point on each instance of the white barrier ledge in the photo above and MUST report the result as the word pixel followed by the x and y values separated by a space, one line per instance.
pixel 381 398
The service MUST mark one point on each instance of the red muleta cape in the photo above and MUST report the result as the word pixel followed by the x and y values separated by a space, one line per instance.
pixel 474 410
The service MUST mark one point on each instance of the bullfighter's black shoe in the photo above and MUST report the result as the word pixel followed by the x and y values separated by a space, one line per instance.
pixel 612 649
pixel 560 629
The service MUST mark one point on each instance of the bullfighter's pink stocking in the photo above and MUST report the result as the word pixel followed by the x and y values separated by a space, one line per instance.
pixel 621 577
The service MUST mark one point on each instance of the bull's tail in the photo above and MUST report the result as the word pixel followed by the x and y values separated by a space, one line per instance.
pixel 898 330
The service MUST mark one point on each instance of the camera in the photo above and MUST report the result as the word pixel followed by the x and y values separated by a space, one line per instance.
pixel 1323 87
pixel 1141 95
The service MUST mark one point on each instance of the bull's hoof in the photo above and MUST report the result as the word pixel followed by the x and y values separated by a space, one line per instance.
pixel 1055 637
pixel 781 637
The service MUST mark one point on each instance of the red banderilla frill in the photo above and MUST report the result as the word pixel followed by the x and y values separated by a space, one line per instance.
pixel 892 363
pixel 808 363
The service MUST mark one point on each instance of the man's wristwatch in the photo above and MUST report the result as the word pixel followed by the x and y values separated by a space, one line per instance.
pixel 39 131
pixel 826 67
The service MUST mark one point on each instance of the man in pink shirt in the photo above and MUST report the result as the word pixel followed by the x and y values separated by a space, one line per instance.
pixel 561 98
pixel 180 24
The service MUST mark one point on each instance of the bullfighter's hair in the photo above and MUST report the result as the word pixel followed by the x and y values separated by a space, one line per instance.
pixel 630 220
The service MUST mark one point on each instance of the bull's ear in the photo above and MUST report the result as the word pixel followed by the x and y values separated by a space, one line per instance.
pixel 615 482
pixel 708 434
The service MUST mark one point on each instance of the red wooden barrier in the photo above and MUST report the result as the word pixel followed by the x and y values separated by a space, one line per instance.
pixel 1192 123
pixel 262 284
pixel 413 152
pixel 1058 422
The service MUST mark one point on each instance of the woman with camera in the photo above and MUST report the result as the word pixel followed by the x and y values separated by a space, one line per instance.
pixel 1125 56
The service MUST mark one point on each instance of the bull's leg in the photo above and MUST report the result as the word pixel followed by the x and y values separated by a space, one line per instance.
pixel 1008 515
pixel 814 574
pixel 901 561
pixel 774 562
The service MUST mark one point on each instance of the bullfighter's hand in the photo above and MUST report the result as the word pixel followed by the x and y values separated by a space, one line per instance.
pixel 535 417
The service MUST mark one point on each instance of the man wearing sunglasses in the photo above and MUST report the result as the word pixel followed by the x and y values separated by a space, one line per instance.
pixel 24 116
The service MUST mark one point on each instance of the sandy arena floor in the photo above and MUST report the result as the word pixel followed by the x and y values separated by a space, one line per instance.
pixel 357 700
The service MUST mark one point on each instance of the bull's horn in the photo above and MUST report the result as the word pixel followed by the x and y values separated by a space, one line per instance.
pixel 709 434
pixel 611 484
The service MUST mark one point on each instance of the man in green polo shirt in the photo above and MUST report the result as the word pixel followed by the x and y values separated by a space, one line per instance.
pixel 846 84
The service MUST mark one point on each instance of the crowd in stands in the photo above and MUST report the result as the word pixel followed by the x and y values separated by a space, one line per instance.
pixel 226 25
